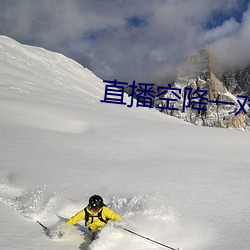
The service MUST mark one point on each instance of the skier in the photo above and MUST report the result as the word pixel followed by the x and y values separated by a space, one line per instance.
pixel 95 214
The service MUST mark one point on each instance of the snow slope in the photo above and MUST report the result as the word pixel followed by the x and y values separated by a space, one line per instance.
pixel 179 184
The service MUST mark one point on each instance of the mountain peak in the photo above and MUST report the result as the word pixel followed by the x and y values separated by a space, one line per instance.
pixel 196 64
pixel 200 72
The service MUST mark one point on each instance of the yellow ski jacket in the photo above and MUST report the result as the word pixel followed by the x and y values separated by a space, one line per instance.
pixel 94 223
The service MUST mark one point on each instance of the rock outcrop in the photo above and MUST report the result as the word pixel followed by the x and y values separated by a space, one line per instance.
pixel 218 105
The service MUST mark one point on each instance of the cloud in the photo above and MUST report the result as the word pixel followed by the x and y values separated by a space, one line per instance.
pixel 128 40
pixel 228 28
pixel 232 50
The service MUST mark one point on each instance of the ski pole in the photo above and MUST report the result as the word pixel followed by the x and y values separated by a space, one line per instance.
pixel 146 238
pixel 45 228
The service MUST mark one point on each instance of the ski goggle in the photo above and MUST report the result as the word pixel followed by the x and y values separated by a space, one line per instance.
pixel 94 208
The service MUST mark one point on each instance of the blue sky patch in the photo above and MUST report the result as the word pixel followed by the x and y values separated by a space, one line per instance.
pixel 136 21
pixel 219 17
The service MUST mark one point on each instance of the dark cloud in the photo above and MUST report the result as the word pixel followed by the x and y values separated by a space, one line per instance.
pixel 129 40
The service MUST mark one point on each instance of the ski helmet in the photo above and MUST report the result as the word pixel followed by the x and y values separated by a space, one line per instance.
pixel 95 202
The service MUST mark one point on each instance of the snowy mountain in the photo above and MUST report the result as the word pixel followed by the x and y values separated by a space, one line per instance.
pixel 237 81
pixel 224 90
pixel 182 185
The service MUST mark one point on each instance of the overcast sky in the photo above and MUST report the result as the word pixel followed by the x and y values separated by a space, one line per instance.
pixel 131 39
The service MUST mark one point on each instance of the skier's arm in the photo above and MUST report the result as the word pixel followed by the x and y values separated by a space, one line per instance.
pixel 77 217
pixel 110 214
